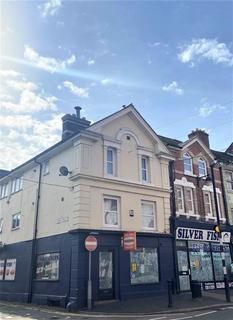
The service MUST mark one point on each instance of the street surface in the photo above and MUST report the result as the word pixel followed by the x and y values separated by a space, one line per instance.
pixel 16 312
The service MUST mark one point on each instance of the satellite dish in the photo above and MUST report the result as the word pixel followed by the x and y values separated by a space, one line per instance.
pixel 64 171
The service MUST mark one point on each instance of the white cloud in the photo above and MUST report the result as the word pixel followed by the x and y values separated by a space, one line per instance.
pixel 50 8
pixel 173 87
pixel 209 49
pixel 9 73
pixel 30 102
pixel 47 63
pixel 153 44
pixel 90 62
pixel 80 92
pixel 206 109
pixel 20 85
pixel 106 81
pixel 26 137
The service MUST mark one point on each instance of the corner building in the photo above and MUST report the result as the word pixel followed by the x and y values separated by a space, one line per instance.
pixel 117 181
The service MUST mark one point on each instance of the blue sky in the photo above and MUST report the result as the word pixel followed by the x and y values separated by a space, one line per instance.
pixel 172 59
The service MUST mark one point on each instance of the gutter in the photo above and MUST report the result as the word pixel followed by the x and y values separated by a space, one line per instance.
pixel 34 248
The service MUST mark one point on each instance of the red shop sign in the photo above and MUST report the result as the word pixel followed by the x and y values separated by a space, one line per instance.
pixel 129 241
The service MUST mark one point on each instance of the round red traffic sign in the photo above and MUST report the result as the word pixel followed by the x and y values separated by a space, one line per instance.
pixel 91 243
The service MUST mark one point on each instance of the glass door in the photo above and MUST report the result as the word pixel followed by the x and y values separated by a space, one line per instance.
pixel 106 283
pixel 183 270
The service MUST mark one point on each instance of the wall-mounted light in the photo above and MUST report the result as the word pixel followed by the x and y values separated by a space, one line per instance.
pixel 131 213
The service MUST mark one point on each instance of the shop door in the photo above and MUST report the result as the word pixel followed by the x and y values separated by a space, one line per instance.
pixel 106 275
pixel 183 270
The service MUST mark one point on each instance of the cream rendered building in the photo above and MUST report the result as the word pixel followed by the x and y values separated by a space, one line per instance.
pixel 117 181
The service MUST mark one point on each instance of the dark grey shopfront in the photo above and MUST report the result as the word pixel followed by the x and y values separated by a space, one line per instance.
pixel 200 260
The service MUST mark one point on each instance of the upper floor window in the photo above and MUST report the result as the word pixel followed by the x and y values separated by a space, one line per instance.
pixel 1 224
pixel 15 221
pixel 208 204
pixel 16 184
pixel 184 200
pixel 3 190
pixel 202 167
pixel 148 215
pixel 111 155
pixel 111 212
pixel 45 167
pixel 145 169
pixel 229 180
pixel 188 166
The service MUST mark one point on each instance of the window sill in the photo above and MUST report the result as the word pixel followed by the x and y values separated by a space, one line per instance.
pixel 188 215
pixel 16 228
pixel 15 192
pixel 191 174
pixel 210 218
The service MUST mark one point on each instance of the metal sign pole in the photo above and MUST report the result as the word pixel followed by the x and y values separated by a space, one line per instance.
pixel 89 285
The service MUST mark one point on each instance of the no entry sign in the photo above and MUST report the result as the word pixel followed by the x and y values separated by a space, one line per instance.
pixel 91 243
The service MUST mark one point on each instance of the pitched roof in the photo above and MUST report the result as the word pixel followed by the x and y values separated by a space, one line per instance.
pixel 3 173
pixel 223 156
pixel 171 142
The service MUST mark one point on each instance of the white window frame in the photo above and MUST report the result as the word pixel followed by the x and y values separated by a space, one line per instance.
pixel 229 182
pixel 115 226
pixel 186 156
pixel 16 184
pixel 18 215
pixel 200 160
pixel 3 190
pixel 182 198
pixel 1 224
pixel 210 214
pixel 113 162
pixel 148 215
pixel 191 193
pixel 145 170
pixel 45 167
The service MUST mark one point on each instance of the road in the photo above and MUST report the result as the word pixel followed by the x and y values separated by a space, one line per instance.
pixel 16 312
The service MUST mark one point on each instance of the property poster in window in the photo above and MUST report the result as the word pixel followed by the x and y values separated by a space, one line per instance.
pixel 2 265
pixel 144 266
pixel 10 269
pixel 47 267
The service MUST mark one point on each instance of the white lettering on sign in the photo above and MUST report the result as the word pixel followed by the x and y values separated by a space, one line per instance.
pixel 201 235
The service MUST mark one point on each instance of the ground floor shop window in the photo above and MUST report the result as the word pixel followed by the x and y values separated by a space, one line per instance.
pixel 2 267
pixel 217 261
pixel 47 267
pixel 200 261
pixel 144 266
pixel 10 269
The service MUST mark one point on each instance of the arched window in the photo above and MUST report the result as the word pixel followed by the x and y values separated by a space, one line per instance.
pixel 188 166
pixel 202 167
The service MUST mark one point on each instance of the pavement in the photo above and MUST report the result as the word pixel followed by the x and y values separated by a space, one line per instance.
pixel 212 305
pixel 159 304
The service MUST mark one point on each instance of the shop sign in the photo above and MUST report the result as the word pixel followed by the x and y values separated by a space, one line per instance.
pixel 209 286
pixel 201 235
pixel 129 241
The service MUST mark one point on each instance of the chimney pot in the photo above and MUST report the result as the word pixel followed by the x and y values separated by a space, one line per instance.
pixel 78 109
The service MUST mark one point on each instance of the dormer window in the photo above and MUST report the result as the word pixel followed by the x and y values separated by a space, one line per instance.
pixel 202 167
pixel 188 166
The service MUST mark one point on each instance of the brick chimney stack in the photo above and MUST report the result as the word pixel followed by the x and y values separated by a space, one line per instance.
pixel 73 123
pixel 202 135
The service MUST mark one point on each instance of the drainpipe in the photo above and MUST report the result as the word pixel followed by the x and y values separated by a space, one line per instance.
pixel 224 196
pixel 33 252
pixel 173 219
